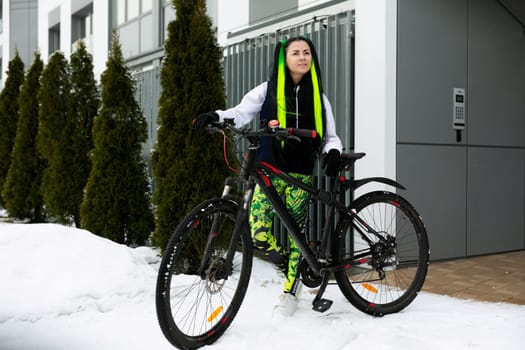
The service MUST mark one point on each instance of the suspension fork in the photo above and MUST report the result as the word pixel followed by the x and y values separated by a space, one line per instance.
pixel 241 219
pixel 214 232
pixel 241 223
pixel 212 236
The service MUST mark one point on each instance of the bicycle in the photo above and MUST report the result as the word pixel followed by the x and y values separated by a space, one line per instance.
pixel 377 250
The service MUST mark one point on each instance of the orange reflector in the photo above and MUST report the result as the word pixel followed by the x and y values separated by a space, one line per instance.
pixel 369 287
pixel 215 313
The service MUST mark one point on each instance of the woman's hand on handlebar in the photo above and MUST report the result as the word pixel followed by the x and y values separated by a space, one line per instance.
pixel 210 122
pixel 204 119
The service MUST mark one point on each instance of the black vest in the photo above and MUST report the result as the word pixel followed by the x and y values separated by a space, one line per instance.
pixel 293 156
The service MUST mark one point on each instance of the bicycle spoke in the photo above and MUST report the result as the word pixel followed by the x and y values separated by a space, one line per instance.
pixel 398 255
pixel 196 301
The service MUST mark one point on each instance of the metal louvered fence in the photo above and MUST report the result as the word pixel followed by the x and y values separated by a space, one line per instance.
pixel 247 64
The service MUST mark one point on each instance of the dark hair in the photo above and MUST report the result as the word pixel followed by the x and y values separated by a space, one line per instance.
pixel 285 44
pixel 311 90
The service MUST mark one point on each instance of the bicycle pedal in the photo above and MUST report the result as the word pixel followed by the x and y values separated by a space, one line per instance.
pixel 322 305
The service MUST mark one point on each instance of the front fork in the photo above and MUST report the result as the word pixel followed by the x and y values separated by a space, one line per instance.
pixel 241 221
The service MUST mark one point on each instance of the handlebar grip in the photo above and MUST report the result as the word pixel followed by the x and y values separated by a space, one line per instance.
pixel 302 133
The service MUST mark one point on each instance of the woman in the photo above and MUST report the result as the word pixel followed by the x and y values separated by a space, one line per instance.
pixel 295 97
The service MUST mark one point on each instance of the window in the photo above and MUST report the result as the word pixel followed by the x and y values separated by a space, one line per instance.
pixel 132 9
pixel 121 11
pixel 54 38
pixel 147 5
pixel 168 16
pixel 135 22
pixel 127 10
pixel 82 24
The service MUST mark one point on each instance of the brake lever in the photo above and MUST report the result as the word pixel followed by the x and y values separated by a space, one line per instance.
pixel 214 126
pixel 229 121
pixel 211 129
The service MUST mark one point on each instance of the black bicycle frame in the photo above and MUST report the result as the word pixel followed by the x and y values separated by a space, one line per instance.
pixel 254 172
pixel 261 177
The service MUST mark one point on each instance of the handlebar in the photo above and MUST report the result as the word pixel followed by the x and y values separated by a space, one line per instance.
pixel 302 133
pixel 271 131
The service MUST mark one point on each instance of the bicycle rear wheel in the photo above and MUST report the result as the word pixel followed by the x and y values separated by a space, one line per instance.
pixel 196 298
pixel 390 272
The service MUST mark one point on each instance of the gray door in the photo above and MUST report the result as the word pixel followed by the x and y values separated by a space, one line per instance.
pixel 468 189
pixel 496 132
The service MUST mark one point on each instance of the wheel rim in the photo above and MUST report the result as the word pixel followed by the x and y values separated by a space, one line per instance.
pixel 200 303
pixel 389 273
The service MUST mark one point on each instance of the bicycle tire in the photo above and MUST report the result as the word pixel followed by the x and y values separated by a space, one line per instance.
pixel 194 309
pixel 388 278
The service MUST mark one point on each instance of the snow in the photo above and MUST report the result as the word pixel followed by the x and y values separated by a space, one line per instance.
pixel 65 288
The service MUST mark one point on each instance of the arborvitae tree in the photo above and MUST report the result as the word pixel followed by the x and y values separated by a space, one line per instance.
pixel 85 101
pixel 187 165
pixel 117 202
pixel 9 115
pixel 68 104
pixel 21 190
pixel 53 98
pixel 54 139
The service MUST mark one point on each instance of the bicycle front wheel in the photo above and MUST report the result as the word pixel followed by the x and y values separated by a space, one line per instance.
pixel 390 252
pixel 197 293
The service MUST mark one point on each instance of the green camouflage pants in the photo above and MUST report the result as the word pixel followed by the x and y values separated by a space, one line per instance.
pixel 261 220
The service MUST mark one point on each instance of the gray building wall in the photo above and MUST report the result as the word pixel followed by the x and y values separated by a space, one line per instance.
pixel 471 192
pixel 266 10
pixel 23 29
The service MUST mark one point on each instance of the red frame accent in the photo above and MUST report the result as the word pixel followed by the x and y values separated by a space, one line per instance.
pixel 266 179
pixel 274 169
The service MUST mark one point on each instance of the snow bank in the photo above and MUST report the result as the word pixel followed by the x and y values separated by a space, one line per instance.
pixel 63 288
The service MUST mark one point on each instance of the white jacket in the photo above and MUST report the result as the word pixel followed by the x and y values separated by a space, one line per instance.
pixel 251 104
